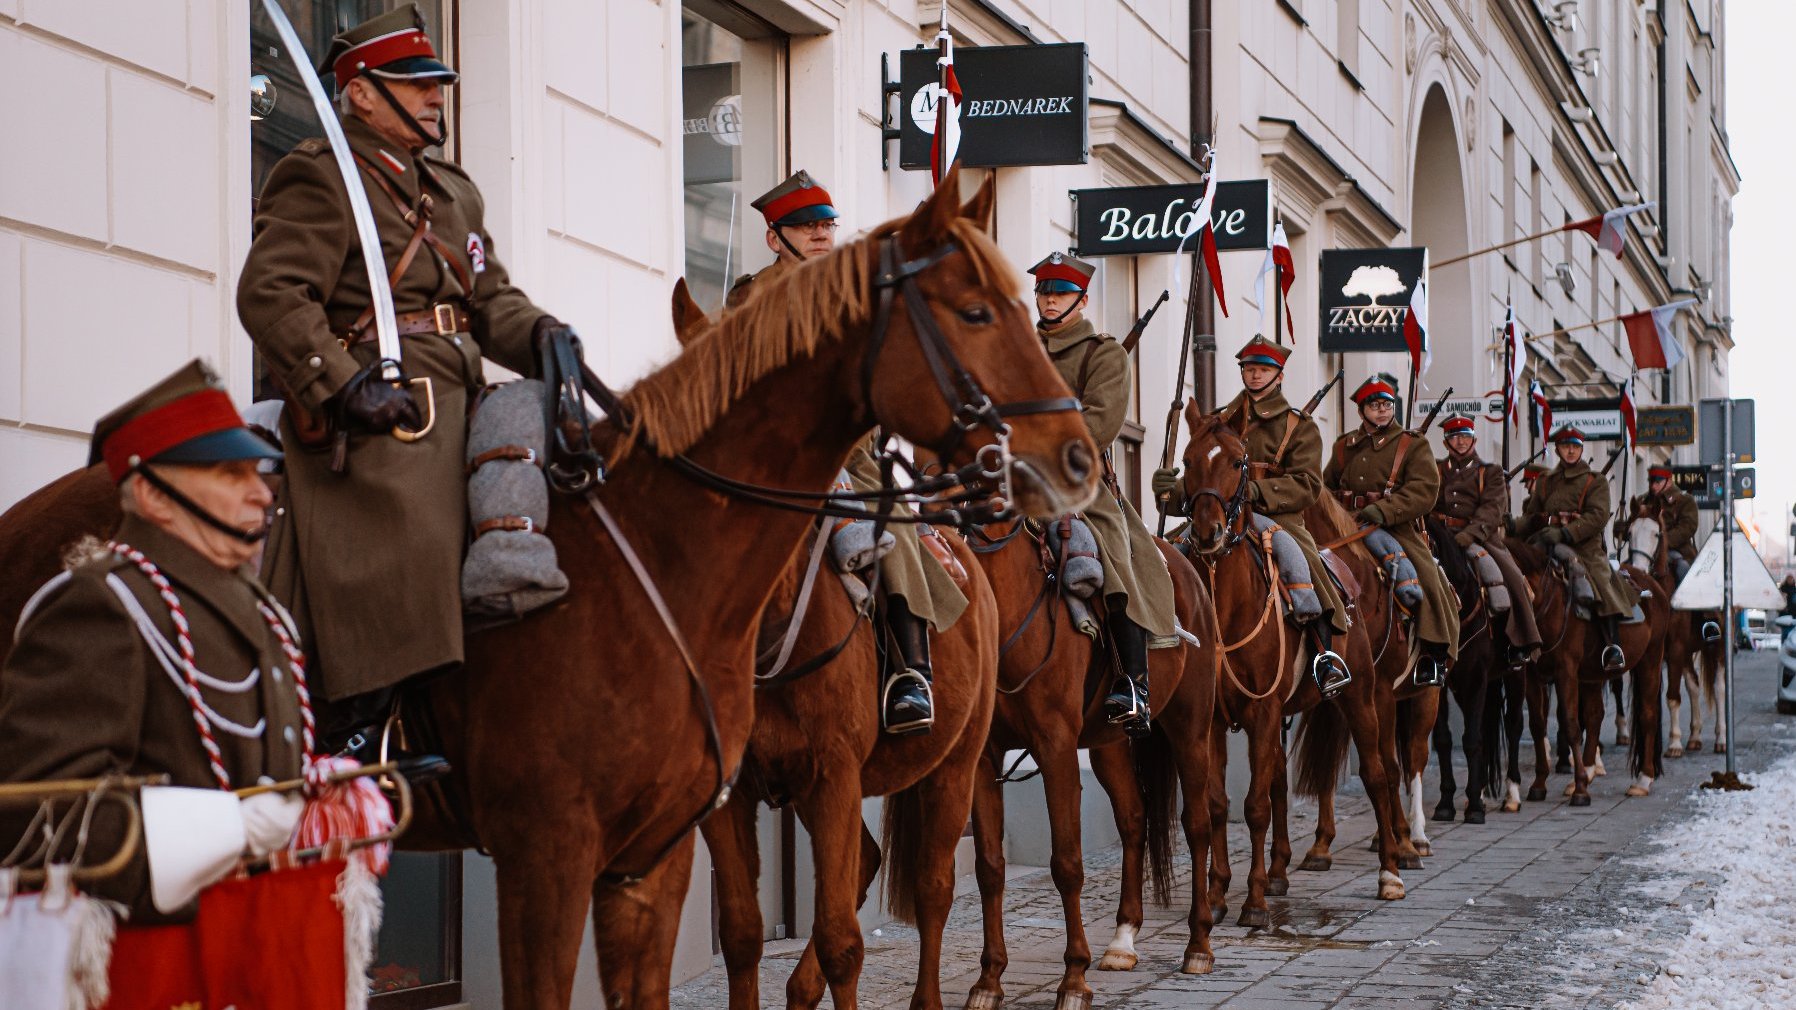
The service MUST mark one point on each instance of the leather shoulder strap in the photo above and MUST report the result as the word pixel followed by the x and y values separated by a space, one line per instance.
pixel 1405 440
pixel 1583 496
pixel 1290 430
pixel 1091 347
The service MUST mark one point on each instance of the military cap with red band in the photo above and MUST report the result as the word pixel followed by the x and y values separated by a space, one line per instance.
pixel 1568 435
pixel 799 200
pixel 185 418
pixel 1658 472
pixel 1060 272
pixel 392 45
pixel 1378 387
pixel 1260 351
pixel 1458 424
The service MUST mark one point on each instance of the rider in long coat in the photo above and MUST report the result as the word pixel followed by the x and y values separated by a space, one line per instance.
pixel 1676 513
pixel 368 542
pixel 919 593
pixel 1284 452
pixel 1474 501
pixel 94 685
pixel 1137 587
pixel 1385 475
pixel 1570 505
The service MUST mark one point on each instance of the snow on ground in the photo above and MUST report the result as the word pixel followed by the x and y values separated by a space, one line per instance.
pixel 1740 953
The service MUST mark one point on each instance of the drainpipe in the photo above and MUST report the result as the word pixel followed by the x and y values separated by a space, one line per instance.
pixel 1203 344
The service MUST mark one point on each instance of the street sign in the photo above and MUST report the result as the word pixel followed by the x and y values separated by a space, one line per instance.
pixel 1693 481
pixel 1489 406
pixel 1365 294
pixel 1708 430
pixel 1704 483
pixel 1746 483
pixel 1130 220
pixel 1702 587
pixel 1599 418
pixel 1020 105
pixel 1665 425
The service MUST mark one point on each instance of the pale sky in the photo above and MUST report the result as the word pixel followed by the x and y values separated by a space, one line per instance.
pixel 1758 34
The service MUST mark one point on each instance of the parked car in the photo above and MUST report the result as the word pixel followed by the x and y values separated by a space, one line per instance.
pixel 1786 674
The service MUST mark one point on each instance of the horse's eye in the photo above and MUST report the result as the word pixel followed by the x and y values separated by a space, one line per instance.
pixel 976 314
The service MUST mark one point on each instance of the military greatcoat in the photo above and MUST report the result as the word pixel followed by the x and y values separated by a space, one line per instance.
pixel 1097 368
pixel 369 560
pixel 1576 499
pixel 1677 512
pixel 1474 499
pixel 1392 472
pixel 1284 450
pixel 82 694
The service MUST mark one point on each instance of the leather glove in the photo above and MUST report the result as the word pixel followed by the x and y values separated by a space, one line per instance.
pixel 1463 539
pixel 269 820
pixel 368 405
pixel 1370 515
pixel 1548 538
pixel 1166 481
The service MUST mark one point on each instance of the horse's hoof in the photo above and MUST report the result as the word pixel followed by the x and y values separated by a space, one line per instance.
pixel 984 999
pixel 1562 768
pixel 1409 862
pixel 1474 816
pixel 1278 887
pixel 1316 864
pixel 1721 748
pixel 1198 964
pixel 1444 812
pixel 1536 794
pixel 1118 960
pixel 1512 806
pixel 1219 912
pixel 1073 1001
pixel 1571 789
pixel 1390 886
pixel 1254 918
pixel 1674 751
pixel 1694 746
pixel 1643 786
pixel 1580 800
pixel 1621 740
pixel 1637 791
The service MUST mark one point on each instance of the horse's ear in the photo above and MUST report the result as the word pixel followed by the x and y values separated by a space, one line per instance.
pixel 1193 416
pixel 926 226
pixel 688 318
pixel 979 208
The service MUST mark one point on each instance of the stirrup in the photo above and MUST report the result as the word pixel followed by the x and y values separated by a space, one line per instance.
pixel 922 724
pixel 1620 662
pixel 1436 675
pixel 1331 674
pixel 1711 631
pixel 1136 715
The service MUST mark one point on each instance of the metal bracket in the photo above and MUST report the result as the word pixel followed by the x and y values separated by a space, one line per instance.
pixel 889 129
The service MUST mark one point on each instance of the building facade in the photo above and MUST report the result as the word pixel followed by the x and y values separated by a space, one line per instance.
pixel 619 142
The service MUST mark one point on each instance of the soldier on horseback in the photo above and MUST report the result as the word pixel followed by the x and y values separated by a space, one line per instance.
pixel 1570 506
pixel 1377 475
pixel 1474 499
pixel 919 594
pixel 1284 452
pixel 1138 594
pixel 1674 510
pixel 372 520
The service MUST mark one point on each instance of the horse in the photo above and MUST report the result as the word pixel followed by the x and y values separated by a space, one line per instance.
pixel 1468 681
pixel 817 744
pixel 1050 694
pixel 776 395
pixel 1691 661
pixel 41 527
pixel 1264 676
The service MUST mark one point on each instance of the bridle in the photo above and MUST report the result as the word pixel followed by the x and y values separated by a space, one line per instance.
pixel 1234 508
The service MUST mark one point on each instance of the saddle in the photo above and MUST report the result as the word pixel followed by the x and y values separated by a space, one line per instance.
pixel 1342 573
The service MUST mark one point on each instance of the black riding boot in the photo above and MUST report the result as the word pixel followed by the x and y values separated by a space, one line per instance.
pixel 1329 669
pixel 1127 703
pixel 1614 660
pixel 907 705
pixel 1431 666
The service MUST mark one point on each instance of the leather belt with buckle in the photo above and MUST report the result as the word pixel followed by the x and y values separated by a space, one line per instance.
pixel 443 319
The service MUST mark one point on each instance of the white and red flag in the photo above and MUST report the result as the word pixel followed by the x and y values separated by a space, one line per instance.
pixel 1627 413
pixel 1517 354
pixel 1415 328
pixel 1278 258
pixel 1206 227
pixel 1609 229
pixel 1650 336
pixel 945 146
pixel 1543 412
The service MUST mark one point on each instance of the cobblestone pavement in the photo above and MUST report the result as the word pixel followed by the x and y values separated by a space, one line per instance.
pixel 1552 907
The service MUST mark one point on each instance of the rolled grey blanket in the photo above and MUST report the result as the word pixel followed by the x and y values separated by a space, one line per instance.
pixel 1491 577
pixel 1293 570
pixel 1076 553
pixel 1405 584
pixel 851 545
pixel 509 573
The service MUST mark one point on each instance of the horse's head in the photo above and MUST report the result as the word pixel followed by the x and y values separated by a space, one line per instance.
pixel 1215 480
pixel 1644 538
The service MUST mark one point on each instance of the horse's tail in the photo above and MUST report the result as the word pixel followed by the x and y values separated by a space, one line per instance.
pixel 1321 747
pixel 902 840
pixel 1496 695
pixel 1638 743
pixel 1159 780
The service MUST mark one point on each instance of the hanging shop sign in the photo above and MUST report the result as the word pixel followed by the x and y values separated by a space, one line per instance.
pixel 1665 425
pixel 1364 295
pixel 711 122
pixel 1489 406
pixel 1020 105
pixel 1599 418
pixel 1135 220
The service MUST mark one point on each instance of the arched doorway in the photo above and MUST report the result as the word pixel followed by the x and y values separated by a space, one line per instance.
pixel 1438 221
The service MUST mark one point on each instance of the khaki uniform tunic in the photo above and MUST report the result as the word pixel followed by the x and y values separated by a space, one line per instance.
pixel 1361 466
pixel 1474 499
pixel 1287 478
pixel 1577 499
pixel 1677 511
pixel 369 560
pixel 82 695
pixel 1097 369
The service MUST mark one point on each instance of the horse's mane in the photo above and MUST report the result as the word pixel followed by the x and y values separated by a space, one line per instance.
pixel 785 318
pixel 1336 522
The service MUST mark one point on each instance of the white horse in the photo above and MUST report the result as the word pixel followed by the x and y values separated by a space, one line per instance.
pixel 1692 656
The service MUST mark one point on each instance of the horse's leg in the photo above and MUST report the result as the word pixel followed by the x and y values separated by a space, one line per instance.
pixel 736 855
pixel 1570 694
pixel 1538 701
pixel 1702 691
pixel 1114 767
pixel 1060 780
pixel 831 812
pixel 1477 750
pixel 1424 712
pixel 1563 743
pixel 1262 723
pixel 1590 720
pixel 988 870
pixel 1220 873
pixel 1408 856
pixel 1645 755
pixel 1194 760
pixel 1675 674
pixel 1621 712
pixel 1278 871
pixel 634 929
pixel 1443 753
pixel 1512 713
pixel 1363 722
pixel 1321 857
pixel 545 884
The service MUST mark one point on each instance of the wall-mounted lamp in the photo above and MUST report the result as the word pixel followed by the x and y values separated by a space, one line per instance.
pixel 1568 281
pixel 1605 158
pixel 1577 113
pixel 1564 16
pixel 1588 61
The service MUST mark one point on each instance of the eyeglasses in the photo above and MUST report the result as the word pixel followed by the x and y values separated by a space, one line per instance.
pixel 820 227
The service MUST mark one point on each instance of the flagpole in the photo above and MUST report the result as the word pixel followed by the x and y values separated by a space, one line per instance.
pixel 1511 410
pixel 1462 257
pixel 1278 302
pixel 1409 402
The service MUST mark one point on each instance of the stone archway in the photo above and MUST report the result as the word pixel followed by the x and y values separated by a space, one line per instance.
pixel 1438 221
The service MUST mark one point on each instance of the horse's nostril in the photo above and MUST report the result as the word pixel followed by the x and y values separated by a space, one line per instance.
pixel 1076 460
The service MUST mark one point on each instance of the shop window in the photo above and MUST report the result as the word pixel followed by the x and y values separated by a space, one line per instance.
pixel 732 74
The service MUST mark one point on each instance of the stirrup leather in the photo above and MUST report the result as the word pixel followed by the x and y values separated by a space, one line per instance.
pixel 885 703
pixel 1325 661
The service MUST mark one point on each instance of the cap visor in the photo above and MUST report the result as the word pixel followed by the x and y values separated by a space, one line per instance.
pixel 805 215
pixel 416 67
pixel 220 447
pixel 1056 287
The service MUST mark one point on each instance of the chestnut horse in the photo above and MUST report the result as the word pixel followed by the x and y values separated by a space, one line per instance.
pixel 1051 683
pixel 776 395
pixel 817 744
pixel 1690 661
pixel 1265 675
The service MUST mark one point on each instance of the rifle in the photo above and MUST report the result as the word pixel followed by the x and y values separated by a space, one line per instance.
pixel 1611 464
pixel 1509 475
pixel 1432 411
pixel 1322 394
pixel 1135 331
pixel 1178 391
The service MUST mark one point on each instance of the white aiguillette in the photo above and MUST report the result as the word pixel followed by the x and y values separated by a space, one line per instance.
pixel 193 837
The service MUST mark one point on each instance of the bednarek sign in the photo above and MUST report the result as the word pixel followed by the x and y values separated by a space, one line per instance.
pixel 1132 220
pixel 1020 105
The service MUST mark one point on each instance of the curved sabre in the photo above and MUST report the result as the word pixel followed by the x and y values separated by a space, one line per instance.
pixel 386 329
